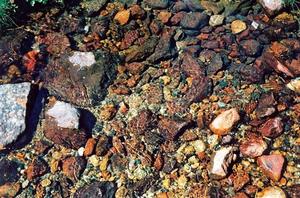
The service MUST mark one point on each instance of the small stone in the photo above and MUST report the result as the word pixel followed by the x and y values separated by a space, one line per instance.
pixel 216 20
pixel 253 146
pixel 82 59
pixel 102 145
pixel 224 122
pixel 89 147
pixel 9 171
pixel 97 189
pixel 199 146
pixel 239 179
pixel 137 12
pixel 251 47
pixel 13 109
pixel 107 112
pixel 294 85
pixel 271 6
pixel 271 165
pixel 194 20
pixel 238 26
pixel 122 16
pixel 157 4
pixel 164 16
pixel 271 192
pixel 46 182
pixel 9 190
pixel 171 128
pixel 80 151
pixel 143 122
pixel 272 128
pixel 221 161
pixel 36 169
pixel 73 167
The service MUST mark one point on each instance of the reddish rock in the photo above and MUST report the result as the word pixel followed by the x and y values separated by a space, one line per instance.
pixel 164 16
pixel 137 11
pixel 210 44
pixel 37 168
pixel 253 146
pixel 294 66
pixel 171 128
pixel 240 195
pixel 89 147
pixel 73 167
pixel 271 165
pixel 153 94
pixel 9 190
pixel 175 20
pixel 195 20
pixel 272 62
pixel 57 43
pixel 239 180
pixel 129 39
pixel 251 47
pixel 42 146
pixel 266 105
pixel 143 122
pixel 272 128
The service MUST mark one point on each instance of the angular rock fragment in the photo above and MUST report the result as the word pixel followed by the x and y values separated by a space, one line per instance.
pixel 272 191
pixel 35 169
pixel 13 109
pixel 62 125
pixel 224 122
pixel 9 189
pixel 102 145
pixel 238 26
pixel 266 105
pixel 253 146
pixel 194 20
pixel 221 161
pixel 76 77
pixel 239 179
pixel 142 123
pixel 271 165
pixel 251 47
pixel 171 128
pixel 294 85
pixel 73 167
pixel 97 189
pixel 216 20
pixel 272 128
pixel 271 6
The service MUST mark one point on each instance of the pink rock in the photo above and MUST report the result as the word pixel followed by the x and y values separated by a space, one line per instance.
pixel 271 165
pixel 272 127
pixel 253 146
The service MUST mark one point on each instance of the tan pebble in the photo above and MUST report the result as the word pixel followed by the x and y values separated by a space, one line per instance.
pixel 45 182
pixel 271 192
pixel 238 26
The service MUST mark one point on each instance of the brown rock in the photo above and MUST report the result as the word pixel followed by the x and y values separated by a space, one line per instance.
pixel 122 16
pixel 272 191
pixel 9 190
pixel 239 180
pixel 271 165
pixel 129 38
pixel 102 145
pixel 265 105
pixel 164 16
pixel 175 20
pixel 271 61
pixel 271 128
pixel 159 162
pixel 294 191
pixel 253 146
pixel 224 122
pixel 171 128
pixel 37 168
pixel 42 146
pixel 89 147
pixel 108 111
pixel 143 122
pixel 294 66
pixel 240 195
pixel 137 11
pixel 72 167
pixel 135 67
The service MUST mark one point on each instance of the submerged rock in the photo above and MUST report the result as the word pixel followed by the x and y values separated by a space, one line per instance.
pixel 13 109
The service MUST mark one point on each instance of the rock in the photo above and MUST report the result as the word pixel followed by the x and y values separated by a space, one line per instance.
pixel 93 6
pixel 270 192
pixel 221 161
pixel 294 191
pixel 271 128
pixel 215 65
pixel 265 105
pixel 137 12
pixel 73 167
pixel 102 145
pixel 82 59
pixel 271 61
pixel 97 189
pixel 122 17
pixel 57 43
pixel 271 165
pixel 251 47
pixel 238 26
pixel 135 67
pixel 157 4
pixel 271 6
pixel 164 16
pixel 194 20
pixel 89 147
pixel 13 109
pixel 62 126
pixel 193 5
pixel 253 146
pixel 36 169
pixel 294 85
pixel 9 190
pixel 81 83
pixel 170 128
pixel 216 20
pixel 240 195
pixel 129 38
pixel 9 171
pixel 239 179
pixel 224 122
pixel 212 6
pixel 142 123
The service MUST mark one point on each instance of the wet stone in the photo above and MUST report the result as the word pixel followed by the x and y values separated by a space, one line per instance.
pixel 9 171
pixel 13 109
pixel 194 20
pixel 97 189
pixel 271 165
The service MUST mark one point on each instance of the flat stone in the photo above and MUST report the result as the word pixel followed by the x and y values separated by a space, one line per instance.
pixel 271 192
pixel 271 165
pixel 253 146
pixel 194 20
pixel 272 128
pixel 224 122
pixel 221 161
pixel 238 26
pixel 171 128
pixel 216 20
pixel 13 109
pixel 73 167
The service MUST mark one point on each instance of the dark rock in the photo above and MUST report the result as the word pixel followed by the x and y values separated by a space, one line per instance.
pixel 100 26
pixel 193 5
pixel 166 47
pixel 140 187
pixel 171 128
pixel 169 164
pixel 251 47
pixel 176 18
pixel 71 24
pixel 103 145
pixel 180 6
pixel 42 147
pixel 294 191
pixel 210 44
pixel 194 20
pixel 9 171
pixel 215 65
pixel 271 165
pixel 265 105
pixel 272 128
pixel 119 163
pixel 153 139
pixel 93 6
pixel 142 123
pixel 71 83
pixel 97 189
pixel 247 72
pixel 157 4
pixel 129 39
pixel 73 167
pixel 36 169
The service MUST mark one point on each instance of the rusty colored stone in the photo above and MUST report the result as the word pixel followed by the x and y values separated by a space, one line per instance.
pixel 73 167
pixel 239 179
pixel 89 147
pixel 253 146
pixel 35 169
pixel 171 128
pixel 143 122
pixel 272 128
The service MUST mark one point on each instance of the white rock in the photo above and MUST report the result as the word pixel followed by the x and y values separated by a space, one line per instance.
pixel 65 114
pixel 80 151
pixel 216 20
pixel 271 192
pixel 294 85
pixel 83 59
pixel 221 160
pixel 254 24
pixel 273 4
pixel 199 146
